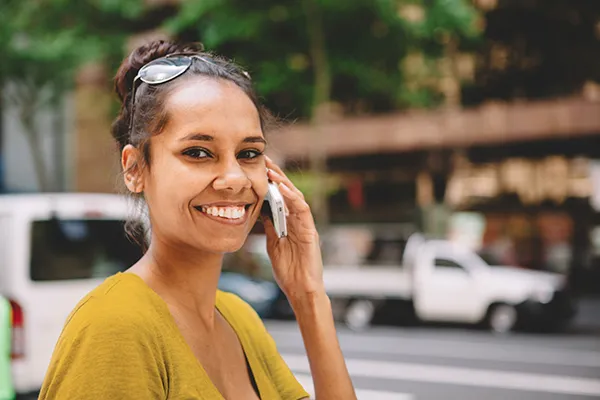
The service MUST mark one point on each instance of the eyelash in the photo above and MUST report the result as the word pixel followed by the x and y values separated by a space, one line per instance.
pixel 194 153
pixel 256 153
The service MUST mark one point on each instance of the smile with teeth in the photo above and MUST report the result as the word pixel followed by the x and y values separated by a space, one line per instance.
pixel 235 212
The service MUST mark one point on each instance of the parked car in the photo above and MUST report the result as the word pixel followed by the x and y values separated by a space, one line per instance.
pixel 54 249
pixel 248 274
pixel 445 282
pixel 260 294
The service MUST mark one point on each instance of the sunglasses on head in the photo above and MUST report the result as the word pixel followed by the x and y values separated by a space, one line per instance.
pixel 163 70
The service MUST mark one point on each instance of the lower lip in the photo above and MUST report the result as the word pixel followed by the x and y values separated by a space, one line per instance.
pixel 227 221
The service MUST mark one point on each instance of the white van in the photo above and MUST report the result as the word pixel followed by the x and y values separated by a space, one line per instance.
pixel 54 249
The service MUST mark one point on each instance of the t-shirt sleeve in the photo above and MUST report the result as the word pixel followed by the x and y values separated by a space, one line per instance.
pixel 281 376
pixel 106 355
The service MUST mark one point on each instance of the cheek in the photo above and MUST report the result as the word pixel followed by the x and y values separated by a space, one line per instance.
pixel 260 184
pixel 168 184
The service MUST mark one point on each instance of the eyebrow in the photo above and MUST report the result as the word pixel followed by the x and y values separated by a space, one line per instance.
pixel 209 138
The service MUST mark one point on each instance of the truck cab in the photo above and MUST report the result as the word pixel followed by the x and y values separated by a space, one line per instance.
pixel 452 283
pixel 447 282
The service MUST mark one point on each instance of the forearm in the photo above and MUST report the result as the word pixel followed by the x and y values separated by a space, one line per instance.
pixel 327 365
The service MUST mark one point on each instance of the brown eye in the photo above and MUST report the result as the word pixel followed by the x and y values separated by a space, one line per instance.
pixel 196 152
pixel 249 154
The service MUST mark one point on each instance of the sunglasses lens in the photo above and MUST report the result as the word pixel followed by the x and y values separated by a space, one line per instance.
pixel 164 69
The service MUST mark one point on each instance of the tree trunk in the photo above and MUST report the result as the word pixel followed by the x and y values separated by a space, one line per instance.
pixel 27 116
pixel 58 144
pixel 321 98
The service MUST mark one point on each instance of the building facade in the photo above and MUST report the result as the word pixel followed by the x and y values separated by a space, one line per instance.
pixel 527 172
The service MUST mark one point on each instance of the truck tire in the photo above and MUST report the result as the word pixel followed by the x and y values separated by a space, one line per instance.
pixel 502 318
pixel 359 314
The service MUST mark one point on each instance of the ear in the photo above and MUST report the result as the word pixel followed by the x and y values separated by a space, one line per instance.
pixel 132 163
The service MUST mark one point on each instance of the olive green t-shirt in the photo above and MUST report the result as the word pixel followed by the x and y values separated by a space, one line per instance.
pixel 121 342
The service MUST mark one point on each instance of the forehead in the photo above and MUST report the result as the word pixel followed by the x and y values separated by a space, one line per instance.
pixel 211 106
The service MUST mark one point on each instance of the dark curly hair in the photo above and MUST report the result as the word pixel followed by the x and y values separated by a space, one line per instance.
pixel 150 116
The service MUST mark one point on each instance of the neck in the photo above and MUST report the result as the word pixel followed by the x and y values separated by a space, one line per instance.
pixel 186 279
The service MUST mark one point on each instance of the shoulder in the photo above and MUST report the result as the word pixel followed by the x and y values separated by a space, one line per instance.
pixel 118 326
pixel 120 305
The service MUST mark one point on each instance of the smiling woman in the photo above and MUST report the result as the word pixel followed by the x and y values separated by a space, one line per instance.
pixel 191 136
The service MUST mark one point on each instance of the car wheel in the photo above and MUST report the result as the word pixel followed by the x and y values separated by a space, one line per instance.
pixel 502 318
pixel 359 314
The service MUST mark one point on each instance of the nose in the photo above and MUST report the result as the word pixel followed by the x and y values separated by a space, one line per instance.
pixel 232 178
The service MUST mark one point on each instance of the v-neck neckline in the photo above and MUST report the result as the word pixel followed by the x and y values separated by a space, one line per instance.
pixel 251 363
pixel 242 339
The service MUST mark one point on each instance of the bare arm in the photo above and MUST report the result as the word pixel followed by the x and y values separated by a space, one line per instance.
pixel 327 364
pixel 298 269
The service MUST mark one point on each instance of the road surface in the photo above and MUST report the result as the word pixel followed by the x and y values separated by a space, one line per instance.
pixel 427 363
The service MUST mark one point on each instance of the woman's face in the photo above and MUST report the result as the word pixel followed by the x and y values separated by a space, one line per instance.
pixel 207 176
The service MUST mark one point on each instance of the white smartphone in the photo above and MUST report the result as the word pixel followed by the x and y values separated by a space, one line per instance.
pixel 274 207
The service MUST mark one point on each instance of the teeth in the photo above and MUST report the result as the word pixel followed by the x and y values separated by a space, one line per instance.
pixel 225 212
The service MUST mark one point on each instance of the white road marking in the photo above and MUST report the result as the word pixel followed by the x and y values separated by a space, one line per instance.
pixel 459 376
pixel 361 394
pixel 455 350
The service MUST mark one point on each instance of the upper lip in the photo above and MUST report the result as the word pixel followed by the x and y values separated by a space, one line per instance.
pixel 226 204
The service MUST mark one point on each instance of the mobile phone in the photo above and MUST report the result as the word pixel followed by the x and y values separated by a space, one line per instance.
pixel 274 208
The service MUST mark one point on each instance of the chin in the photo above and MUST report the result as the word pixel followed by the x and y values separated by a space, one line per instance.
pixel 226 244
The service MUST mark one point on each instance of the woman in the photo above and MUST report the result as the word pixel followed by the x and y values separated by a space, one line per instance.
pixel 192 144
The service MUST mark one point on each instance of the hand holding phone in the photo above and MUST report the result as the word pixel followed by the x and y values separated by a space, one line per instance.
pixel 274 208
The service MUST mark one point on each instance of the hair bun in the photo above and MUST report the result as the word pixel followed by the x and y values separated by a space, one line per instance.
pixel 143 55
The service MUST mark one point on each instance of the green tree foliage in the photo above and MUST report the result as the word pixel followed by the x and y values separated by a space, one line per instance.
pixel 44 42
pixel 301 53
pixel 364 41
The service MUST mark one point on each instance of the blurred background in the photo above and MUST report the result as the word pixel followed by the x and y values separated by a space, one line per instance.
pixel 465 131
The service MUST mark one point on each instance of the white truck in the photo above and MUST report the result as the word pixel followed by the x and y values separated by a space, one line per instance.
pixel 444 282
pixel 54 249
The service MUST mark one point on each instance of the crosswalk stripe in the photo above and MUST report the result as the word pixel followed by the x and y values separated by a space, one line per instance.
pixel 459 376
pixel 450 349
pixel 361 394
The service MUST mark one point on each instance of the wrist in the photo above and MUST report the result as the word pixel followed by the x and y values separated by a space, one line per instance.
pixel 309 302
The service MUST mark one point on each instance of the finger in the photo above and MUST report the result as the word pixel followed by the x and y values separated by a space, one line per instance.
pixel 277 169
pixel 271 164
pixel 278 178
pixel 269 229
pixel 296 204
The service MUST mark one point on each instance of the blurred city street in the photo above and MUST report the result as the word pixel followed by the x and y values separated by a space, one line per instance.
pixel 448 150
pixel 426 363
